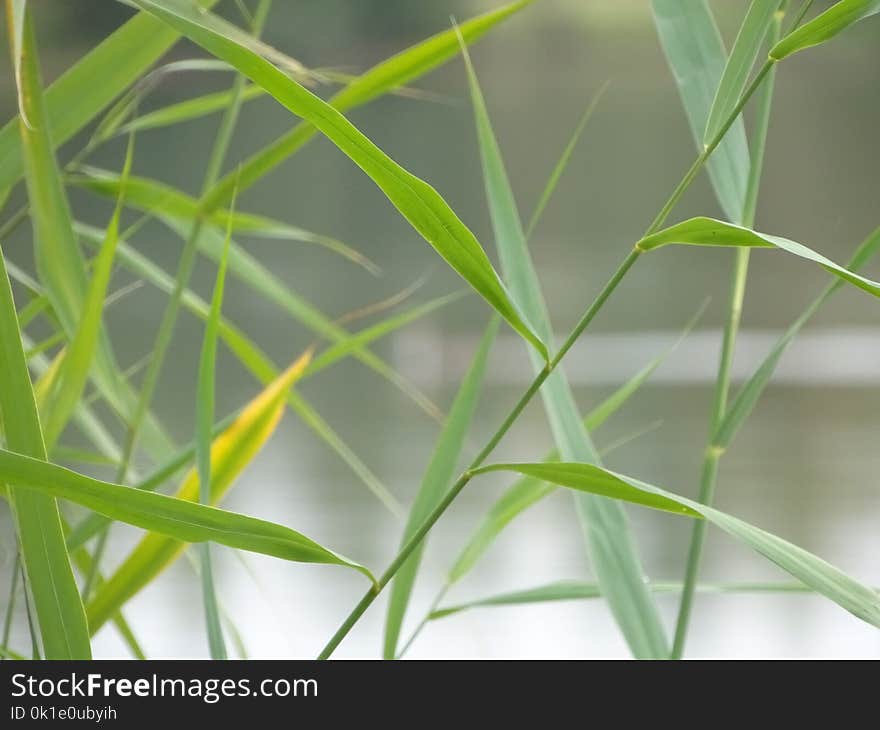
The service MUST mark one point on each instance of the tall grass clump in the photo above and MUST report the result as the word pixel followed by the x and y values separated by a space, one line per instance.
pixel 67 387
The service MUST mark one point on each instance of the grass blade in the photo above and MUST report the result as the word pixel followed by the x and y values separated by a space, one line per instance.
pixel 711 232
pixel 385 77
pixel 231 452
pixel 158 198
pixel 824 27
pixel 436 481
pixel 417 201
pixel 696 55
pixel 49 575
pixel 806 567
pixel 745 50
pixel 204 425
pixel 745 400
pixel 91 84
pixel 612 548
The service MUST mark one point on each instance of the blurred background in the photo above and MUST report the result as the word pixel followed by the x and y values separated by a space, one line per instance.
pixel 804 467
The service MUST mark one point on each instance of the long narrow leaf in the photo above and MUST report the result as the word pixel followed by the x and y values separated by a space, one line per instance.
pixel 612 548
pixel 696 55
pixel 417 201
pixel 824 27
pixel 437 480
pixel 711 232
pixel 811 570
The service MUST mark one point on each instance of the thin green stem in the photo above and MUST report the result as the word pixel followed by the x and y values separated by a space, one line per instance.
pixel 441 594
pixel 714 450
pixel 186 264
pixel 536 384
pixel 10 605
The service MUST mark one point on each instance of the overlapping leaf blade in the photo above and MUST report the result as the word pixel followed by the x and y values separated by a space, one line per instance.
pixel 824 27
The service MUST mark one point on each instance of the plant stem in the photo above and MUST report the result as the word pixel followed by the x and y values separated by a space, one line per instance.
pixel 714 451
pixel 172 308
pixel 536 384
pixel 10 606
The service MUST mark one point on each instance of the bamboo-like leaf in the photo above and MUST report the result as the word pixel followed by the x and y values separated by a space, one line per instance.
pixel 158 198
pixel 185 111
pixel 204 425
pixel 696 55
pixel 824 27
pixel 612 548
pixel 174 518
pixel 711 232
pixel 745 50
pixel 569 590
pixel 91 84
pixel 60 263
pixel 417 201
pixel 385 77
pixel 811 570
pixel 231 452
pixel 436 482
pixel 749 394
pixel 80 353
pixel 50 578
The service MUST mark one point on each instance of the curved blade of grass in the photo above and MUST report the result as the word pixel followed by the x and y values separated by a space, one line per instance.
pixel 231 452
pixel 204 424
pixel 186 111
pixel 563 161
pixel 91 84
pixel 568 590
pixel 436 481
pixel 811 570
pixel 611 546
pixel 175 517
pixel 417 201
pixel 59 261
pixel 385 77
pixel 745 50
pixel 49 575
pixel 80 353
pixel 711 232
pixel 745 400
pixel 824 27
pixel 696 55
pixel 156 197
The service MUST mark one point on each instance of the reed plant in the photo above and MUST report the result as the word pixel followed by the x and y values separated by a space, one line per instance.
pixel 69 383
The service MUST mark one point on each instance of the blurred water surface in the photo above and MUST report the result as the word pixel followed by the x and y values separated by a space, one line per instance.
pixel 805 467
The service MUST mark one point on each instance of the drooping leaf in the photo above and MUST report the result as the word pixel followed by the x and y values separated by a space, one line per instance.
pixel 824 27
pixel 745 50
pixel 711 232
pixel 231 452
pixel 435 483
pixel 696 55
pixel 612 548
pixel 811 570
pixel 50 578
pixel 417 201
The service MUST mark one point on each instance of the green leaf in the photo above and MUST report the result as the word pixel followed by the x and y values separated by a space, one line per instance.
pixel 385 77
pixel 612 548
pixel 79 355
pixel 91 84
pixel 174 517
pixel 435 483
pixel 50 578
pixel 711 232
pixel 159 198
pixel 745 50
pixel 417 201
pixel 749 394
pixel 811 570
pixel 696 55
pixel 824 27
pixel 568 590
pixel 204 425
